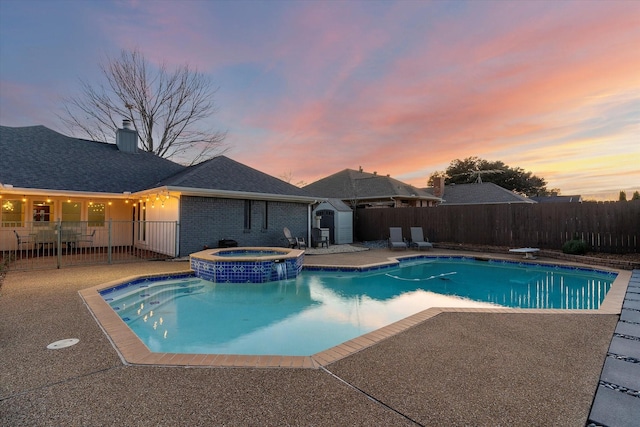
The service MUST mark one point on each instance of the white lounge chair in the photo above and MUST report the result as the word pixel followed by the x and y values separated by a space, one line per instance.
pixel 395 238
pixel 418 240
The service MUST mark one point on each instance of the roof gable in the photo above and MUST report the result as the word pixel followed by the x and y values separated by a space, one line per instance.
pixel 480 193
pixel 337 205
pixel 351 184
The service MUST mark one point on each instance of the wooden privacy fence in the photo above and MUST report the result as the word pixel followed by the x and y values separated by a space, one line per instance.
pixel 612 227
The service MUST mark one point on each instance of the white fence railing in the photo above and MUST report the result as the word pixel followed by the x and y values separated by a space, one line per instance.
pixel 34 245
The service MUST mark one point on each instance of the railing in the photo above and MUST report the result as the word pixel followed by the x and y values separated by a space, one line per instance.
pixel 36 245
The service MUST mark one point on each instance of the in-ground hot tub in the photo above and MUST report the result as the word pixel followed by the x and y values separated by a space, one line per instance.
pixel 247 265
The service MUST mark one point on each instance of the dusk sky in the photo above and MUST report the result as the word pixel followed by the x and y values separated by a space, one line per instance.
pixel 309 88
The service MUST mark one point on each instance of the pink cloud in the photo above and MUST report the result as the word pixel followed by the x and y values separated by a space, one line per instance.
pixel 401 88
pixel 508 90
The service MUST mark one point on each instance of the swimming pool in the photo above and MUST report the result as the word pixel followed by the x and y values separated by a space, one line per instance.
pixel 324 307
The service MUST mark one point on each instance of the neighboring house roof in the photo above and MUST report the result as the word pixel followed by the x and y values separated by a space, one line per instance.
pixel 350 184
pixel 223 173
pixel 558 199
pixel 40 158
pixel 480 193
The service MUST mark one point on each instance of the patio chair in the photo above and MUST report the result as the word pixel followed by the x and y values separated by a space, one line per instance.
pixel 46 240
pixel 25 240
pixel 86 238
pixel 294 242
pixel 418 240
pixel 317 239
pixel 395 238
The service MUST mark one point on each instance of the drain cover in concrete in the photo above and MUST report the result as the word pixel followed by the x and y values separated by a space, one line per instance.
pixel 63 343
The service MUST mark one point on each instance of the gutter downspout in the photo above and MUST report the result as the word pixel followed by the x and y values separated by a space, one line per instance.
pixel 309 225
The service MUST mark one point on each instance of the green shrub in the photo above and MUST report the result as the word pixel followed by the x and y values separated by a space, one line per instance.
pixel 575 247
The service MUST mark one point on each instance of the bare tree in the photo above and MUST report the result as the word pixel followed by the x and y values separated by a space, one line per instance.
pixel 288 178
pixel 167 108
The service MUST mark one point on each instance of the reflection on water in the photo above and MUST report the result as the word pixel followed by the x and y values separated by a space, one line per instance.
pixel 319 310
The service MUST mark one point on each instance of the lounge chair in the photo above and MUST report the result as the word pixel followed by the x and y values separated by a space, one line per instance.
pixel 418 240
pixel 395 238
pixel 317 239
pixel 294 242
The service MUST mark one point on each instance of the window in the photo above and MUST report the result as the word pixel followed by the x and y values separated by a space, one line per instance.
pixel 12 213
pixel 247 214
pixel 265 217
pixel 42 212
pixel 71 211
pixel 96 213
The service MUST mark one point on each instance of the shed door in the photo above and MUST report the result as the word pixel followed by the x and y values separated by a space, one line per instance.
pixel 327 221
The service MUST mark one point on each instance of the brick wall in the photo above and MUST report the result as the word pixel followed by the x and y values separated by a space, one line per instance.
pixel 205 220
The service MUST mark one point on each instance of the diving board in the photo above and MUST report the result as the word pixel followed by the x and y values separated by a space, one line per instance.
pixel 528 252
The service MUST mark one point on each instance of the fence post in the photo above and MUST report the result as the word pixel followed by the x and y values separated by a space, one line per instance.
pixel 109 242
pixel 59 242
pixel 176 251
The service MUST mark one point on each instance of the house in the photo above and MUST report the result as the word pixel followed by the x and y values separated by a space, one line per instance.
pixel 477 193
pixel 558 199
pixel 47 178
pixel 362 189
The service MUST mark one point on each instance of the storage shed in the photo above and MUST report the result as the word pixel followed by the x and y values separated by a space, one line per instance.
pixel 337 217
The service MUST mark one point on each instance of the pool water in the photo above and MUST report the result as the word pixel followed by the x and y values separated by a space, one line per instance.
pixel 318 309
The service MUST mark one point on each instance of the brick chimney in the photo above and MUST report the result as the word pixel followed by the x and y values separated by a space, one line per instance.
pixel 127 138
pixel 438 186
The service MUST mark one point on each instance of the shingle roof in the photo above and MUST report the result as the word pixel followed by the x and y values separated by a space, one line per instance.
pixel 339 205
pixel 480 193
pixel 349 184
pixel 38 157
pixel 558 199
pixel 223 173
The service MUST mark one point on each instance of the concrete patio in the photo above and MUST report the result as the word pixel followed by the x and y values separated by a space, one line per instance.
pixel 457 368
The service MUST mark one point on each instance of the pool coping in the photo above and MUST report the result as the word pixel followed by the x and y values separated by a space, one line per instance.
pixel 132 351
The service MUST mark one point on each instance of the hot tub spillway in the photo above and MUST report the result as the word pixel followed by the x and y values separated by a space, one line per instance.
pixel 247 265
pixel 280 268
